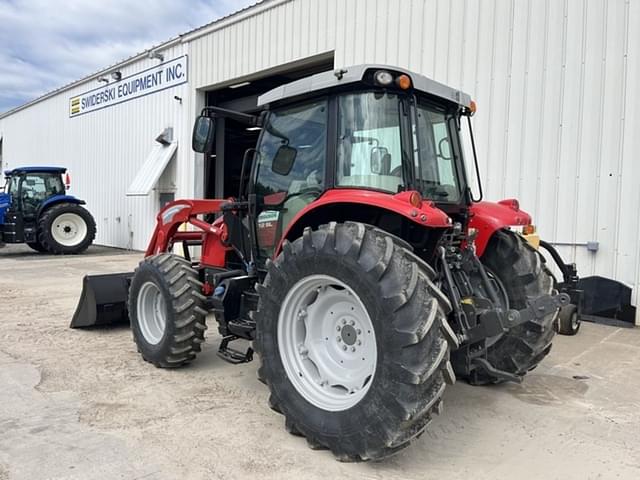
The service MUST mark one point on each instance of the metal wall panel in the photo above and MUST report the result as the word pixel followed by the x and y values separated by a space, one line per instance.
pixel 555 81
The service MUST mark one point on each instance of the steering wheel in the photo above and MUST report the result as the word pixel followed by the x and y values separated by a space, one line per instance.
pixel 396 172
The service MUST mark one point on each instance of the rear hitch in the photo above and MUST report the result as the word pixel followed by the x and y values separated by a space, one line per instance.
pixel 537 310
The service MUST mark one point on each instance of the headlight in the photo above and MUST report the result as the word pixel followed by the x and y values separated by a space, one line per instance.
pixel 384 78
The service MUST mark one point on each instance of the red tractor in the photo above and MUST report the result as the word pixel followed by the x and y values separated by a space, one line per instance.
pixel 355 259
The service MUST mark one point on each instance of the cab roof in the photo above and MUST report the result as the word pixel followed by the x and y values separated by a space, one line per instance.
pixel 354 74
pixel 34 169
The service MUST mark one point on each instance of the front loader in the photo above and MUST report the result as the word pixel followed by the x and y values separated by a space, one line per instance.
pixel 355 259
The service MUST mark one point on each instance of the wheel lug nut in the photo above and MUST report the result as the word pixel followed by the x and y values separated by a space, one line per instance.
pixel 339 338
pixel 338 328
pixel 352 322
pixel 359 343
pixel 353 349
pixel 344 347
pixel 344 322
pixel 359 331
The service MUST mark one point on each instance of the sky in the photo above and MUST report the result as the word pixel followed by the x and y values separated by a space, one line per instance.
pixel 45 44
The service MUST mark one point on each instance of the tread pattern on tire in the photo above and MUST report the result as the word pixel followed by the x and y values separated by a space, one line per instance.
pixel 186 335
pixel 417 346
pixel 524 275
pixel 45 239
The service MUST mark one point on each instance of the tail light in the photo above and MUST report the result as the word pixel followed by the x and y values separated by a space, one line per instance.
pixel 403 81
pixel 385 78
pixel 415 199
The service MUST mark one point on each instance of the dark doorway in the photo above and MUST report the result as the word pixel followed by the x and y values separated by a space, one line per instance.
pixel 233 138
pixel 237 140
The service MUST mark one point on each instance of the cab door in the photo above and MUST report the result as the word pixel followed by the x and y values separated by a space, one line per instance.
pixel 290 170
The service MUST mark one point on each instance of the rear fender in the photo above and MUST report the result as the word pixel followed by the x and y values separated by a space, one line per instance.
pixel 55 199
pixel 426 215
pixel 488 217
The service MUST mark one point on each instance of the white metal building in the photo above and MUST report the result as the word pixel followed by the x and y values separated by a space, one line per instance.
pixel 556 82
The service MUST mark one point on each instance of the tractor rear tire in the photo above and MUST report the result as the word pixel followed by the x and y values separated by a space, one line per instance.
pixel 166 308
pixel 523 274
pixel 37 246
pixel 369 303
pixel 66 228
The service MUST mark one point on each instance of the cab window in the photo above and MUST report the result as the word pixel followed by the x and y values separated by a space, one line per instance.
pixel 369 153
pixel 36 188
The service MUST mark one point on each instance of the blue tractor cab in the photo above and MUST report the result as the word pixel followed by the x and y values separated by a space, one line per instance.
pixel 35 209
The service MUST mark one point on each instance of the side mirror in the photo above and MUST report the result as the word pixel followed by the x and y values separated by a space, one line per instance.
pixel 444 149
pixel 204 134
pixel 283 161
pixel 378 159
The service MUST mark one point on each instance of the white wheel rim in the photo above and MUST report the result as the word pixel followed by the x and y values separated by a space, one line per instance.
pixel 69 229
pixel 327 343
pixel 152 313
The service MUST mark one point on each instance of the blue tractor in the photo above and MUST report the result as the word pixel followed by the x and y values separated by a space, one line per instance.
pixel 35 209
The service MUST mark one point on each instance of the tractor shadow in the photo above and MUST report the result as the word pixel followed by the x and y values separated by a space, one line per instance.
pixel 21 251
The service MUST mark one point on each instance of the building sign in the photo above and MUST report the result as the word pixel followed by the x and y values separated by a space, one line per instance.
pixel 165 75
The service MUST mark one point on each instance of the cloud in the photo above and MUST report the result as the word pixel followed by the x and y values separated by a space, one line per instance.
pixel 45 45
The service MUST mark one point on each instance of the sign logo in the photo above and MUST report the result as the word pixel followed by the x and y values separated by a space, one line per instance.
pixel 155 79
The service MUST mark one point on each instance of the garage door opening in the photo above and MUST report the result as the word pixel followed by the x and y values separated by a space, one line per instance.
pixel 222 169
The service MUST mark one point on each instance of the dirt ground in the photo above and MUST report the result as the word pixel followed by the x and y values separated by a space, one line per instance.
pixel 81 404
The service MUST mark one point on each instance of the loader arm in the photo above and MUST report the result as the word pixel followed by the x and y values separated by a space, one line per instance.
pixel 179 212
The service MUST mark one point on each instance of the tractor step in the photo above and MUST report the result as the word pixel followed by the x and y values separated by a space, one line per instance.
pixel 232 355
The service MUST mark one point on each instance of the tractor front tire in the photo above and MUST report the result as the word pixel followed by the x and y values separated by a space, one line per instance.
pixel 66 228
pixel 523 276
pixel 353 341
pixel 166 308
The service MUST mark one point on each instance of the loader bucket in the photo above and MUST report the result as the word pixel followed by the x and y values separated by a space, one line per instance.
pixel 103 300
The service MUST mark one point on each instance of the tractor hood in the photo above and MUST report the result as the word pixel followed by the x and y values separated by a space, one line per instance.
pixel 5 202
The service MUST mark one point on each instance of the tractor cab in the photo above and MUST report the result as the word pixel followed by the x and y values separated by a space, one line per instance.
pixel 29 187
pixel 370 143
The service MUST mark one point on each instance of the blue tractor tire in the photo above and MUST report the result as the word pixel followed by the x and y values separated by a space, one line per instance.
pixel 37 246
pixel 66 228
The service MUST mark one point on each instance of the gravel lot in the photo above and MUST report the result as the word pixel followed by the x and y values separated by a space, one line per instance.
pixel 81 404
